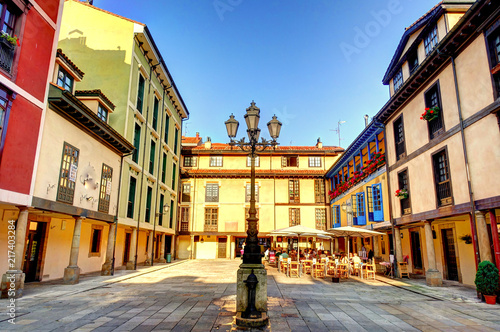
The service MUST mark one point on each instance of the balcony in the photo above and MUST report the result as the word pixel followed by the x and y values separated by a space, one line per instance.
pixel 444 193
pixel 6 54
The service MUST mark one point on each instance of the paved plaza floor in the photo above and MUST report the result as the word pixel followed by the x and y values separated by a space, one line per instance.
pixel 199 295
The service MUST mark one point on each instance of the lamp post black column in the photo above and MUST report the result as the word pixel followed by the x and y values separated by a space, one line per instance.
pixel 252 258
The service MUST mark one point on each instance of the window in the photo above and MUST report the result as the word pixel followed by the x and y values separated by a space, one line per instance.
pixel 248 192
pixel 102 113
pixel 215 161
pixel 374 202
pixel 7 50
pixel 95 241
pixel 147 217
pixel 293 191
pixel 212 192
pixel 358 209
pixel 164 167
pixel 5 105
pixel 174 176
pixel 65 80
pixel 294 216
pixel 290 161
pixel 172 209
pixel 155 114
pixel 319 191
pixel 140 93
pixel 493 40
pixel 399 138
pixel 398 80
pixel 131 197
pixel 432 99
pixel 161 210
pixel 413 62
pixel 186 192
pixel 257 161
pixel 321 219
pixel 431 40
pixel 184 219
pixel 314 161
pixel 176 137
pixel 167 125
pixel 152 157
pixel 105 192
pixel 211 216
pixel 336 216
pixel 403 184
pixel 137 142
pixel 8 20
pixel 67 177
pixel 190 161
pixel 442 178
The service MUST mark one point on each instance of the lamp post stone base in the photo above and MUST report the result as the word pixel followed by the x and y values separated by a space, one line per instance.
pixel 433 278
pixel 260 297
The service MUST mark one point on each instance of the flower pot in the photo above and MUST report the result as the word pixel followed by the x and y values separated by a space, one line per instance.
pixel 335 279
pixel 490 299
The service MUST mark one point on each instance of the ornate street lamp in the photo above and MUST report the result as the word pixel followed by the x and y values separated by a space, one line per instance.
pixel 252 253
pixel 252 307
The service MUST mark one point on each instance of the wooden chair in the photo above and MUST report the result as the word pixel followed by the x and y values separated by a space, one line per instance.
pixel 331 268
pixel 294 269
pixel 307 266
pixel 403 270
pixel 318 270
pixel 368 271
pixel 356 269
pixel 343 270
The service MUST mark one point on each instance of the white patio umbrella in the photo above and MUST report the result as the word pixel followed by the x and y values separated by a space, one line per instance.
pixel 349 231
pixel 298 231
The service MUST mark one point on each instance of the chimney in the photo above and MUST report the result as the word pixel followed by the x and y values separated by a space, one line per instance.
pixel 319 145
pixel 208 143
pixel 197 135
pixel 366 120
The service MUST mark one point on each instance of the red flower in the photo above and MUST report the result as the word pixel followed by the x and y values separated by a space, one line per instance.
pixel 421 118
pixel 431 111
pixel 427 109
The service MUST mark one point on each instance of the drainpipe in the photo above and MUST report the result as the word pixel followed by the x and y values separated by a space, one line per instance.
pixel 142 168
pixel 117 209
pixel 466 159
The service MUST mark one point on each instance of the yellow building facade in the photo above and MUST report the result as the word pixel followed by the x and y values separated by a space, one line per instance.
pixel 215 196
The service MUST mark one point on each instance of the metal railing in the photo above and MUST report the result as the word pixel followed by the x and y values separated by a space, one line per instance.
pixel 6 54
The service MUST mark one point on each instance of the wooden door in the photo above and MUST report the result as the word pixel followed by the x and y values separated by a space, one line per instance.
pixel 221 245
pixel 126 250
pixel 31 256
pixel 416 251
pixel 449 253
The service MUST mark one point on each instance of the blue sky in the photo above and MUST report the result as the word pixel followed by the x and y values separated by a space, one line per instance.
pixel 310 62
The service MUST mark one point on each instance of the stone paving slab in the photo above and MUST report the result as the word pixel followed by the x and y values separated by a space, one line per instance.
pixel 199 295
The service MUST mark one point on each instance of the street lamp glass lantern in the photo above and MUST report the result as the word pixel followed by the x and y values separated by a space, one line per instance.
pixel 274 127
pixel 252 117
pixel 232 126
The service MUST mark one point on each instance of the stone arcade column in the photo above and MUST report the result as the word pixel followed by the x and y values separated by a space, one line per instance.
pixel 228 247
pixel 162 249
pixel 482 237
pixel 133 241
pixel 398 247
pixel 13 279
pixel 72 272
pixel 149 249
pixel 376 245
pixel 336 240
pixel 192 254
pixel 432 275
pixel 108 263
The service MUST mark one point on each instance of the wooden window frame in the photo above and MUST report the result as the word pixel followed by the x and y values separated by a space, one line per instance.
pixel 449 199
pixel 336 217
pixel 319 191
pixel 439 121
pixel 164 167
pixel 154 120
pixel 100 230
pixel 208 193
pixel 6 97
pixel 398 80
pixel 493 57
pixel 294 213
pixel 286 161
pixel 131 200
pixel 214 161
pixel 140 90
pixel 167 125
pixel 322 213
pixel 102 113
pixel 186 197
pixel 408 200
pixel 184 220
pixel 147 211
pixel 314 161
pixel 293 191
pixel 161 211
pixel 249 161
pixel 104 193
pixel 413 63
pixel 193 161
pixel 400 146
pixel 431 40
pixel 137 142
pixel 248 192
pixel 211 224
pixel 152 152
pixel 66 191
pixel 174 175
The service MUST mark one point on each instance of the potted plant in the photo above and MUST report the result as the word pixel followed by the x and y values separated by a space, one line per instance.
pixel 467 238
pixel 13 41
pixel 402 193
pixel 430 113
pixel 487 281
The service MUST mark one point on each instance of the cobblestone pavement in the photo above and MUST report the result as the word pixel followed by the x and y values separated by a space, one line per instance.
pixel 200 296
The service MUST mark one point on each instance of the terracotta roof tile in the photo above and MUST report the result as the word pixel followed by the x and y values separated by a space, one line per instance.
pixel 263 172
pixel 69 62
pixel 190 139
pixel 225 146
pixel 96 92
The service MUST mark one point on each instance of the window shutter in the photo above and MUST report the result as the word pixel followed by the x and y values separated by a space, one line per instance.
pixel 283 161
pixel 354 210
pixel 378 210
pixel 298 161
pixel 361 208
pixel 369 201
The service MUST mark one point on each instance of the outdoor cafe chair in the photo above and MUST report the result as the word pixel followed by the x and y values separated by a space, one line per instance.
pixel 331 268
pixel 294 269
pixel 368 271
pixel 318 270
pixel 343 270
pixel 307 266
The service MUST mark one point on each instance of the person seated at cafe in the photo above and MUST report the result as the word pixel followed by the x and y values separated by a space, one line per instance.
pixel 284 255
pixel 350 256
pixel 356 259
pixel 344 259
pixel 370 255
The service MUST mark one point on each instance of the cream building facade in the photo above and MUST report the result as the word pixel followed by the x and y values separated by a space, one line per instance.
pixel 215 196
